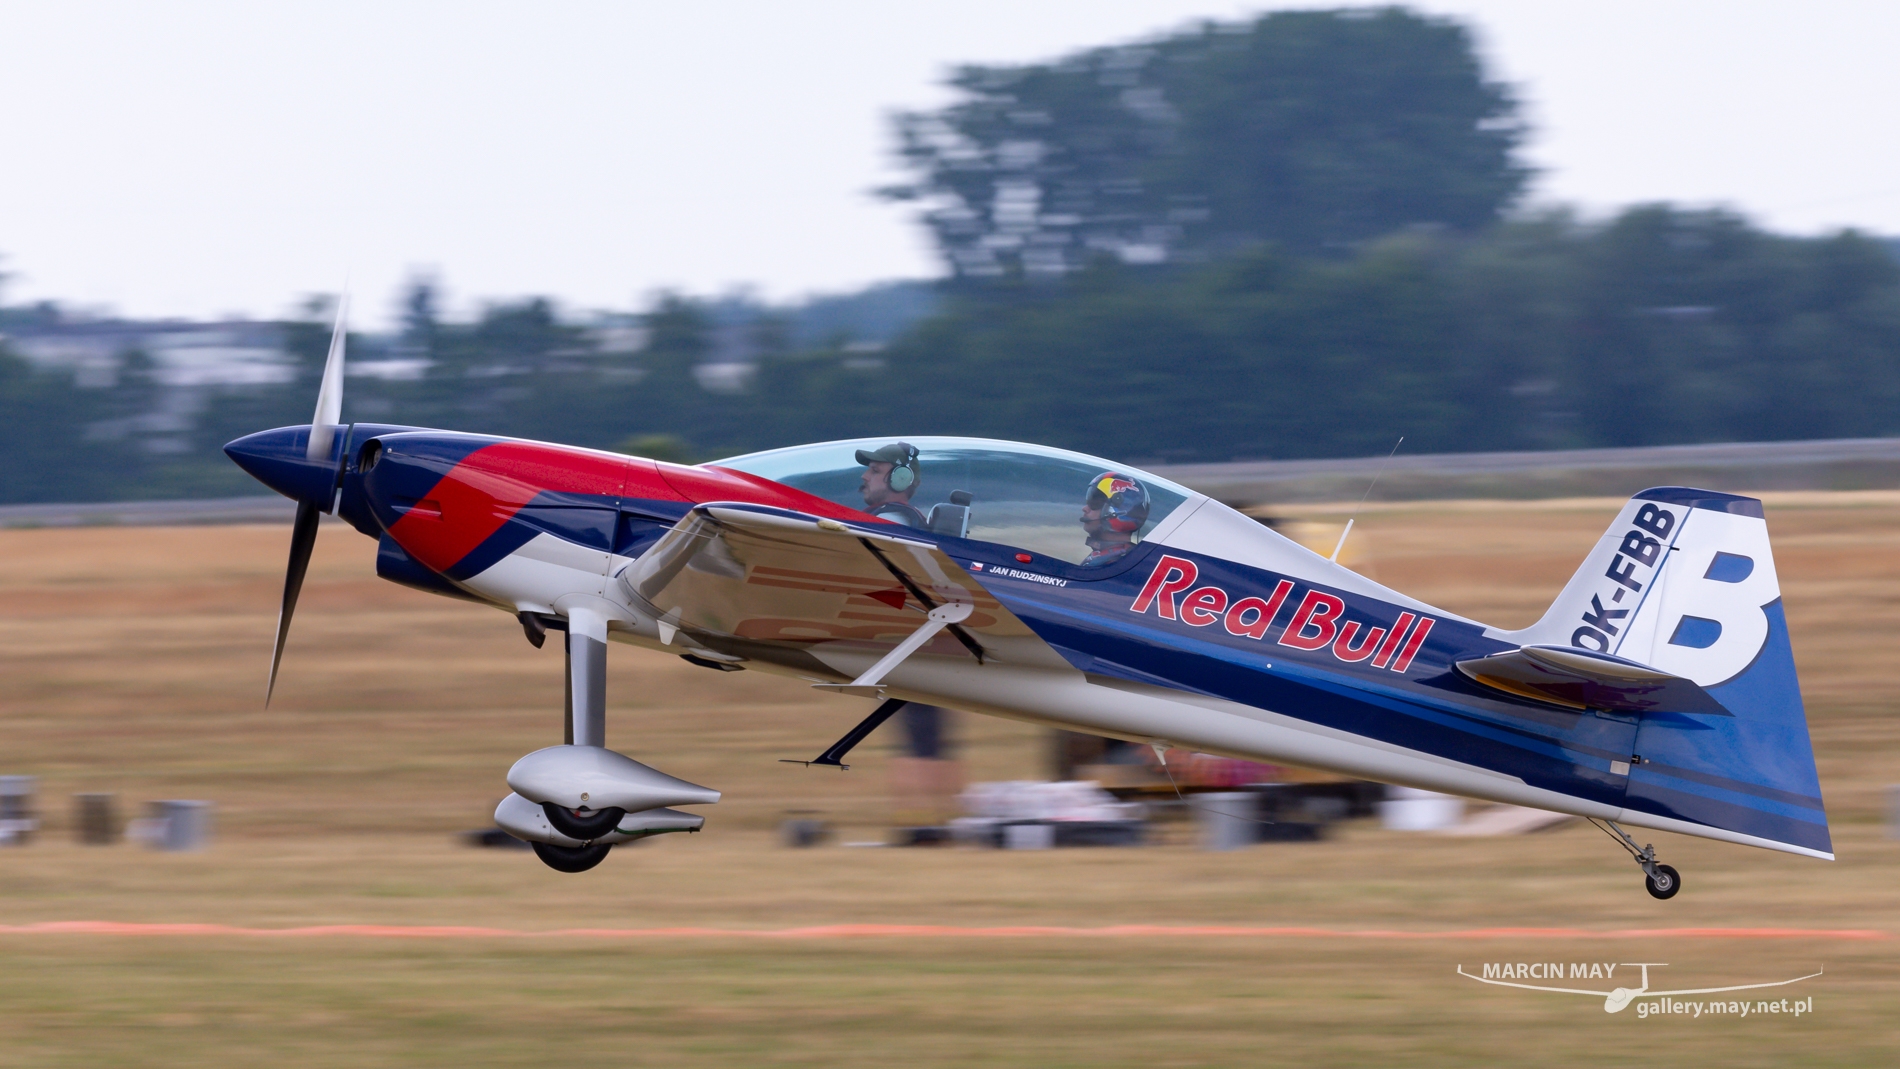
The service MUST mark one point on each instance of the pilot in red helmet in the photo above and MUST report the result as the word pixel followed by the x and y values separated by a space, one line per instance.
pixel 1115 508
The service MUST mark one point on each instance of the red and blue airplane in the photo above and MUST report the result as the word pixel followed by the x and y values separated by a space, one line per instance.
pixel 1659 690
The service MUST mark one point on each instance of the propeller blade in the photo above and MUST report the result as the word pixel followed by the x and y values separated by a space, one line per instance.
pixel 330 393
pixel 303 539
pixel 303 534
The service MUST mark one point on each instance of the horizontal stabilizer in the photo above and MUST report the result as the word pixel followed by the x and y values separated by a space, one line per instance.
pixel 1580 679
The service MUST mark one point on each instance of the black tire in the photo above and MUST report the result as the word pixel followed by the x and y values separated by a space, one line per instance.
pixel 572 858
pixel 1665 883
pixel 587 828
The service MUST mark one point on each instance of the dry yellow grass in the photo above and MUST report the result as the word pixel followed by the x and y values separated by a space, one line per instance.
pixel 133 662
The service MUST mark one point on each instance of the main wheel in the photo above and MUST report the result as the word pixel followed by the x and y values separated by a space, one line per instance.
pixel 1665 883
pixel 587 828
pixel 576 858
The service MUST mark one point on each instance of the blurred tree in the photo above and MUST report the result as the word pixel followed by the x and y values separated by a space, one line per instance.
pixel 421 312
pixel 49 455
pixel 517 338
pixel 1653 327
pixel 1314 130
pixel 679 336
pixel 1659 326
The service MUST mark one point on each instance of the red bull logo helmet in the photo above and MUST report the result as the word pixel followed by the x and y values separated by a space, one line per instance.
pixel 1122 501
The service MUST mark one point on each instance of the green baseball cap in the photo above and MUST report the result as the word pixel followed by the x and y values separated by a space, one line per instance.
pixel 897 454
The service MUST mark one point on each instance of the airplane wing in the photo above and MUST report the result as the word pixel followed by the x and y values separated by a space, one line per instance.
pixel 763 582
pixel 1737 987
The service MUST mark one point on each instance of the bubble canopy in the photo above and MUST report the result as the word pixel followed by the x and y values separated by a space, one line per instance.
pixel 1026 496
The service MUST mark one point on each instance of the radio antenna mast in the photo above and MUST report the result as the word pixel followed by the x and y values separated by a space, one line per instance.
pixel 1363 497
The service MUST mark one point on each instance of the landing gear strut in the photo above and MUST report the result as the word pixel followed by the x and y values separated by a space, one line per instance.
pixel 586 725
pixel 575 802
pixel 1661 881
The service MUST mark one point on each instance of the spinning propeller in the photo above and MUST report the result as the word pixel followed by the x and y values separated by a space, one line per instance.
pixel 303 533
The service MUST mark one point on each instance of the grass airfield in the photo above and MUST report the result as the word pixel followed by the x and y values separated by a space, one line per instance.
pixel 134 663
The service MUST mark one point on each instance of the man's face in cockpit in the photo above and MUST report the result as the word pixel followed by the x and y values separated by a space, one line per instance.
pixel 1092 518
pixel 1095 524
pixel 875 484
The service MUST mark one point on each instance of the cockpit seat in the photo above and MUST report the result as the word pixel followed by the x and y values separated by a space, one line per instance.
pixel 953 517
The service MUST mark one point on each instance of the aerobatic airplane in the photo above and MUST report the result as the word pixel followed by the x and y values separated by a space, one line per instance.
pixel 1658 691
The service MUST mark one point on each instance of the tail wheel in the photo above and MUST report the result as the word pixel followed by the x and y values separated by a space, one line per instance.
pixel 581 858
pixel 1664 883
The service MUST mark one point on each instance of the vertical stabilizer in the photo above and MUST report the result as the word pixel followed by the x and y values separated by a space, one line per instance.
pixel 1684 581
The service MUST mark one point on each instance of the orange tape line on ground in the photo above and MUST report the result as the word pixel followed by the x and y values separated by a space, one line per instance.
pixel 836 931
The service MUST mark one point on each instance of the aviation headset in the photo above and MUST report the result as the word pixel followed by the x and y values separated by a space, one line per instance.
pixel 904 472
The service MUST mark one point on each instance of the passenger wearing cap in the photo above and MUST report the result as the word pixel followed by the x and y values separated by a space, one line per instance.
pixel 890 477
pixel 927 780
pixel 1113 510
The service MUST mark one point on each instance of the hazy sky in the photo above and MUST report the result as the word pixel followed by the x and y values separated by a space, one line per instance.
pixel 198 158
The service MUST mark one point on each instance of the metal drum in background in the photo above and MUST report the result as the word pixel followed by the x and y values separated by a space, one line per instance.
pixel 1412 809
pixel 18 820
pixel 96 819
pixel 1229 820
pixel 176 825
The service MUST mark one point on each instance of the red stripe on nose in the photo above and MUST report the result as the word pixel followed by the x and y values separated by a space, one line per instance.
pixel 489 486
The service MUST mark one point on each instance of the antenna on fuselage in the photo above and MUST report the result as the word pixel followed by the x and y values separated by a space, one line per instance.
pixel 1362 499
pixel 1161 748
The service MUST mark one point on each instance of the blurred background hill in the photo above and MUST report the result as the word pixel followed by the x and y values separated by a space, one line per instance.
pixel 1298 236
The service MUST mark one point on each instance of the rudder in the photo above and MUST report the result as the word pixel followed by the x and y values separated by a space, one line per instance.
pixel 1684 581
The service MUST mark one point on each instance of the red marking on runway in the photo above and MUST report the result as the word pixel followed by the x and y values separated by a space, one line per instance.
pixel 933 931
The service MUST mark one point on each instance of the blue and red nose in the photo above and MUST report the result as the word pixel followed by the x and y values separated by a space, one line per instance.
pixel 277 459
